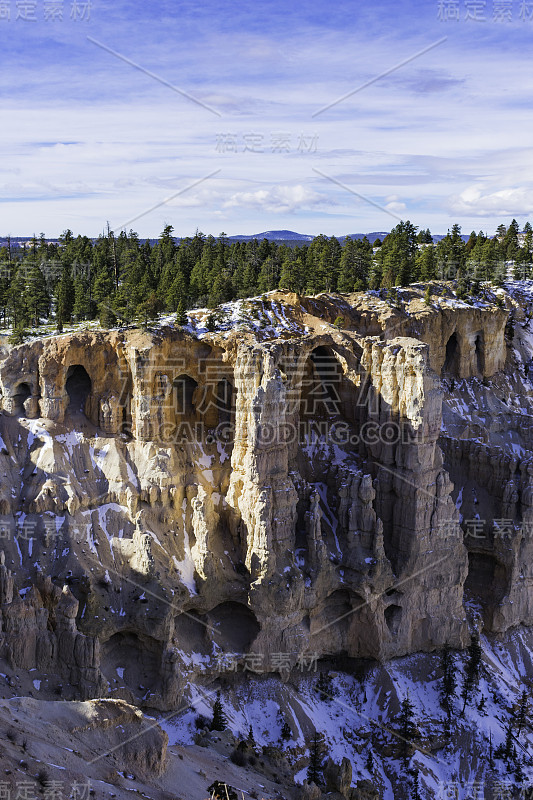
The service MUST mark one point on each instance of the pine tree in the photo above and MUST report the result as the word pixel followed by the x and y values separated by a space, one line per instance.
pixel 316 758
pixel 398 255
pixel 176 293
pixel 106 315
pixel 36 296
pixel 148 310
pixel 519 774
pixel 18 336
pixel 363 264
pixel 250 738
pixel 64 298
pixel 449 681
pixel 523 711
pixel 286 732
pixel 290 278
pixel 407 728
pixel 103 288
pixel 472 670
pixel 346 282
pixel 16 304
pixel 415 784
pixel 508 748
pixel 181 316
pixel 218 723
pixel 82 304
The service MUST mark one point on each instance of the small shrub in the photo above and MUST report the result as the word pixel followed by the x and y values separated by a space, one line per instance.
pixel 18 336
pixel 201 722
pixel 238 757
pixel 43 778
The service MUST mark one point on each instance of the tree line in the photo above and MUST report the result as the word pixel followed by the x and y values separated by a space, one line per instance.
pixel 120 279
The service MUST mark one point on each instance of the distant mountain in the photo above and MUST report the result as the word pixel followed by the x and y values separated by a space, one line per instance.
pixel 275 236
pixel 370 236
pixel 437 237
pixel 288 237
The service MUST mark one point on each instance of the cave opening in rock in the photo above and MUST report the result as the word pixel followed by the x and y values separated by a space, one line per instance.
pixel 480 353
pixel 337 611
pixel 191 632
pixel 235 626
pixel 344 624
pixel 487 579
pixel 78 387
pixel 329 373
pixel 322 385
pixel 224 401
pixel 134 659
pixel 22 393
pixel 393 618
pixel 184 388
pixel 451 362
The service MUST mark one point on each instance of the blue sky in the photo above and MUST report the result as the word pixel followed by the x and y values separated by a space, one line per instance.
pixel 237 127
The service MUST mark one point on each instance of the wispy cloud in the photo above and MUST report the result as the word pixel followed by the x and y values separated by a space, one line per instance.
pixel 88 137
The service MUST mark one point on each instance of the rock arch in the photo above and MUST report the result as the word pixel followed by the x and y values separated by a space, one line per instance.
pixel 488 578
pixel 345 624
pixel 78 387
pixel 22 392
pixel 235 626
pixel 479 354
pixel 133 658
pixel 393 618
pixel 321 395
pixel 224 401
pixel 326 391
pixel 452 357
pixel 184 389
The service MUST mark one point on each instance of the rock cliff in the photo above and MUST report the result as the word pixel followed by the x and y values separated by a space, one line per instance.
pixel 277 489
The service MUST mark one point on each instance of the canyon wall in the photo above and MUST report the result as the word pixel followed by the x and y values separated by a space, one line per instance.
pixel 177 504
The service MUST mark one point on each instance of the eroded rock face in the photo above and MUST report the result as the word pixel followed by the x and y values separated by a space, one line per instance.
pixel 39 631
pixel 233 497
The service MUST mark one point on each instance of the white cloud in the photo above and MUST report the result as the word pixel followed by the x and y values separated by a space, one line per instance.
pixel 500 203
pixel 394 204
pixel 277 199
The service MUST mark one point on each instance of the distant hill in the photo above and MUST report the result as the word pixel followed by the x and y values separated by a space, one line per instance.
pixel 275 236
pixel 370 236
pixel 281 237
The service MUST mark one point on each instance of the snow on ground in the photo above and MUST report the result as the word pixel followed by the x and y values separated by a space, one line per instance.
pixel 263 315
pixel 70 439
pixel 361 718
